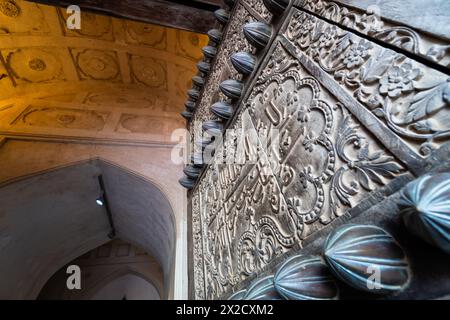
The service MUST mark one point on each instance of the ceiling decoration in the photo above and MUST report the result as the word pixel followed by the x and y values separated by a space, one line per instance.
pixel 96 64
pixel 33 65
pixel 115 80
pixel 22 18
pixel 149 71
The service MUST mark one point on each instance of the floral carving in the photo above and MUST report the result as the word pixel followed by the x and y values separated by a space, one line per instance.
pixel 366 169
pixel 372 24
pixel 357 54
pixel 399 80
pixel 297 29
pixel 325 162
pixel 326 39
pixel 395 88
pixel 322 165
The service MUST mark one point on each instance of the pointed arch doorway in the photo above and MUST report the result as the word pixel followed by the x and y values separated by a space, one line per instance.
pixel 51 218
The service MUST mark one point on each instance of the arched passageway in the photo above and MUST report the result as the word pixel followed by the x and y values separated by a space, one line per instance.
pixel 116 270
pixel 127 287
pixel 49 219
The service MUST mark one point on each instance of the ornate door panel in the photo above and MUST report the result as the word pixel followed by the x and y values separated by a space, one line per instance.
pixel 340 112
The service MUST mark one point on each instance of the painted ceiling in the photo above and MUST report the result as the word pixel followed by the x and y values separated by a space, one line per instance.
pixel 113 81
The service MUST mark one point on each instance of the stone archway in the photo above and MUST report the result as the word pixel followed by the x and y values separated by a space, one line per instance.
pixel 134 285
pixel 112 268
pixel 93 293
pixel 51 218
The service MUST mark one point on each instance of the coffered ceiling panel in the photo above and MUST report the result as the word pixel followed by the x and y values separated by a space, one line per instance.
pixel 114 80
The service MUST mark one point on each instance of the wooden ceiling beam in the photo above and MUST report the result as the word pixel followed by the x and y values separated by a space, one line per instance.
pixel 196 16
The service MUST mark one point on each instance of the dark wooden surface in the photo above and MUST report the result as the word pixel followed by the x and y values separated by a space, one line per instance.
pixel 429 267
pixel 194 16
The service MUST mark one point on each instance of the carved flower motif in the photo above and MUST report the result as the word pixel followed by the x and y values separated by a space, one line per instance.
pixel 302 115
pixel 300 28
pixel 327 37
pixel 309 142
pixel 307 26
pixel 357 54
pixel 399 79
pixel 279 58
pixel 303 176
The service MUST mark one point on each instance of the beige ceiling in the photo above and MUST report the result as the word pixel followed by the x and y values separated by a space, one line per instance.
pixel 114 81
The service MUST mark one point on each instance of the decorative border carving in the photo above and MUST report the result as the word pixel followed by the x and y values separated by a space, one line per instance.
pixel 413 103
pixel 235 42
pixel 353 117
pixel 260 9
pixel 373 25
pixel 253 213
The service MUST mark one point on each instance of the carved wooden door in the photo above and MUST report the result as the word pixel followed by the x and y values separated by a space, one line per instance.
pixel 323 112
